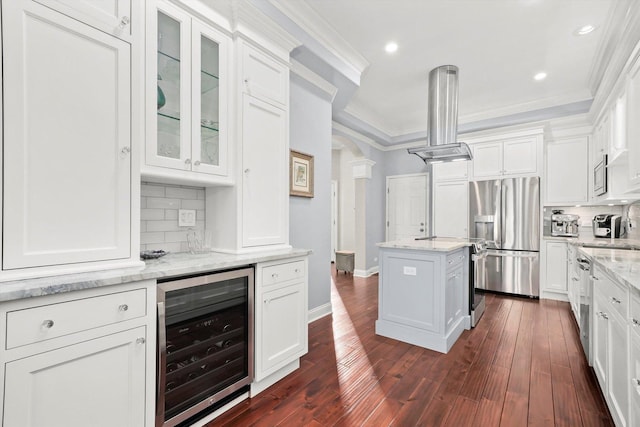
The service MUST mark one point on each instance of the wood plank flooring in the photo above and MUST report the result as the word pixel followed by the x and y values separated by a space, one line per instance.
pixel 522 365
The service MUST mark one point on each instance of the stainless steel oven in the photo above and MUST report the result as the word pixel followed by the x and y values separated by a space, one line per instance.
pixel 205 343
pixel 477 280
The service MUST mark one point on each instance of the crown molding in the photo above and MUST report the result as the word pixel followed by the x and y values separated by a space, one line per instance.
pixel 347 132
pixel 252 24
pixel 318 82
pixel 316 27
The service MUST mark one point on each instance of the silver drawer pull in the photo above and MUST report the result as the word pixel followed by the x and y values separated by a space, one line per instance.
pixel 634 322
pixel 297 270
pixel 123 307
pixel 615 300
pixel 603 315
pixel 124 22
pixel 635 382
pixel 450 261
pixel 274 275
pixel 594 278
pixel 47 324
pixel 575 279
pixel 141 340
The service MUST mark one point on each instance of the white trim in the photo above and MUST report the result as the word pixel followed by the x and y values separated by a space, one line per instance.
pixel 335 126
pixel 319 29
pixel 319 312
pixel 303 72
pixel 366 273
pixel 361 168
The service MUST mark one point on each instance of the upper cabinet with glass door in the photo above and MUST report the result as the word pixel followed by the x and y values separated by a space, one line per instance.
pixel 187 102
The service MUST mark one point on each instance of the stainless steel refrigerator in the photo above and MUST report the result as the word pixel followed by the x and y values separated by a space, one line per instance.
pixel 506 213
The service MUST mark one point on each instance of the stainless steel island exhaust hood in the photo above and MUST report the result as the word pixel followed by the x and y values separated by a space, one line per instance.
pixel 442 123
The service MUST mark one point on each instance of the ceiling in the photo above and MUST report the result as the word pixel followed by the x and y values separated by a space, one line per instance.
pixel 498 45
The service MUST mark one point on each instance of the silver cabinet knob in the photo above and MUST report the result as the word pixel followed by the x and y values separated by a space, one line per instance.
pixel 187 161
pixel 141 340
pixel 124 22
pixel 635 382
pixel 615 300
pixel 274 275
pixel 125 150
pixel 196 163
pixel 635 322
pixel 421 230
pixel 247 170
pixel 603 315
pixel 47 324
pixel 123 307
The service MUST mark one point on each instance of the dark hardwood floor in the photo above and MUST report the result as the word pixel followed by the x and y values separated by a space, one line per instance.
pixel 522 365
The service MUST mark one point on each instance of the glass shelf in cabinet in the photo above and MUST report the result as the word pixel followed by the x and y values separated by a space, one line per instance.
pixel 208 81
pixel 207 125
pixel 169 123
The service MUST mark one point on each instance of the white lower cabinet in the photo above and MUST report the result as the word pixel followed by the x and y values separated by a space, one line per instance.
pixel 634 371
pixel 280 320
pixel 100 382
pixel 454 298
pixel 88 359
pixel 611 344
pixel 556 267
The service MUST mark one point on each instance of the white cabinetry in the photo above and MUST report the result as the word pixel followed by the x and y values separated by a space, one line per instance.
pixel 451 171
pixel 556 267
pixel 187 103
pixel 111 16
pixel 67 143
pixel 518 156
pixel 280 321
pixel 633 125
pixel 450 208
pixel 634 360
pixel 567 171
pixel 79 361
pixel 611 344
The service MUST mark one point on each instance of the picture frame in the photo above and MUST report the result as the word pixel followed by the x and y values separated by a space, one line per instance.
pixel 300 174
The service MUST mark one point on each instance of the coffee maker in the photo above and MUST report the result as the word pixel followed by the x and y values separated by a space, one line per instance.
pixel 608 226
pixel 565 225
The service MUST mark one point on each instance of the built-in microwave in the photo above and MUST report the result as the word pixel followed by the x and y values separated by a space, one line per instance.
pixel 600 177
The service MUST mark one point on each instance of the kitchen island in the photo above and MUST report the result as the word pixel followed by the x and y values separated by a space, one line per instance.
pixel 423 295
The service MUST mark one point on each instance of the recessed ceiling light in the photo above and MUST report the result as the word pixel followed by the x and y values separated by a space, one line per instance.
pixel 540 76
pixel 584 30
pixel 610 204
pixel 623 201
pixel 391 47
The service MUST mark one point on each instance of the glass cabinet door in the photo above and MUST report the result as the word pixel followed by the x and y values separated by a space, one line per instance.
pixel 186 123
pixel 209 98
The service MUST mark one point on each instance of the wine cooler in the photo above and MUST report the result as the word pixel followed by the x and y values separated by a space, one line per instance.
pixel 205 343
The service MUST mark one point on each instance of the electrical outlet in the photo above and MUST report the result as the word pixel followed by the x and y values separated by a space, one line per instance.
pixel 186 217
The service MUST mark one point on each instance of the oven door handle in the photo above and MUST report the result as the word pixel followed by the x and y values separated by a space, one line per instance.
pixel 162 362
pixel 479 256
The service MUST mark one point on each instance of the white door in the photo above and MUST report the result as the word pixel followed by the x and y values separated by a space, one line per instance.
pixel 67 139
pixel 99 382
pixel 334 220
pixel 406 206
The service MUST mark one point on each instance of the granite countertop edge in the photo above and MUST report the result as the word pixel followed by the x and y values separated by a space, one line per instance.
pixel 171 265
pixel 426 245
pixel 621 243
pixel 622 264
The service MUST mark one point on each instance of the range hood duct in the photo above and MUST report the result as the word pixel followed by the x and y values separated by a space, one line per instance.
pixel 442 123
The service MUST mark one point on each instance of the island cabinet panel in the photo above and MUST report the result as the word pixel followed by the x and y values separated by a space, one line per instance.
pixel 406 275
pixel 423 296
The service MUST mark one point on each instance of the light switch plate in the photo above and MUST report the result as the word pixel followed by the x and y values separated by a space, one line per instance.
pixel 186 217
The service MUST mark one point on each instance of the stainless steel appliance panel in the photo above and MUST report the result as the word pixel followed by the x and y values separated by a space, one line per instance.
pixel 521 214
pixel 493 271
pixel 520 272
pixel 485 211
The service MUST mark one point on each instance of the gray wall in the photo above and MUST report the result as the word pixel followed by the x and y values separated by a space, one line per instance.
pixel 310 218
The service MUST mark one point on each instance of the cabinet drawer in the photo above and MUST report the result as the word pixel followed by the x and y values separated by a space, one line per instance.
pixel 36 324
pixel 282 272
pixel 616 296
pixel 454 259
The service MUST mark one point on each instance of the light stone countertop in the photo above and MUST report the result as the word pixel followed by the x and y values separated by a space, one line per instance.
pixel 439 244
pixel 620 263
pixel 170 265
pixel 623 242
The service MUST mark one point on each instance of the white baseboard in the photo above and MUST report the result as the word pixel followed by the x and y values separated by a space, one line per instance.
pixel 557 296
pixel 319 312
pixel 366 273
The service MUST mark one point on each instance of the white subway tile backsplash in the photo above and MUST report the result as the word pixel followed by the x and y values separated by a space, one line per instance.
pixel 146 237
pixel 181 193
pixel 193 204
pixel 162 203
pixel 152 214
pixel 152 190
pixel 159 215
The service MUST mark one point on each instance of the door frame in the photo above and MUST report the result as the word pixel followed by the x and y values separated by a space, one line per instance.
pixel 428 221
pixel 334 219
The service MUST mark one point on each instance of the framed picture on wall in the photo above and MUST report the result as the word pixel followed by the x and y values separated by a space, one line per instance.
pixel 300 174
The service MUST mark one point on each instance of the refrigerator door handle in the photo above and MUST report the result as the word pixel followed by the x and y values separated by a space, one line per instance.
pixel 513 254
